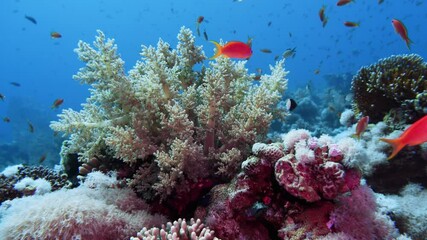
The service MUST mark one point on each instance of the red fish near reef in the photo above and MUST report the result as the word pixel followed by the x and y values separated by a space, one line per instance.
pixel 57 103
pixel 233 49
pixel 414 135
pixel 361 126
pixel 400 29
pixel 344 2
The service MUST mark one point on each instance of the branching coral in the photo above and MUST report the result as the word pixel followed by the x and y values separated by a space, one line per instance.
pixel 182 123
pixel 194 230
pixel 383 87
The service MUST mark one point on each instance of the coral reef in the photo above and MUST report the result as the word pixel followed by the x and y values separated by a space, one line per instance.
pixel 95 210
pixel 175 126
pixel 8 191
pixel 369 155
pixel 394 87
pixel 318 110
pixel 285 189
pixel 181 229
pixel 407 209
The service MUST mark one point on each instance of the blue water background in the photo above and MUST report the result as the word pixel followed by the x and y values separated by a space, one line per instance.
pixel 44 66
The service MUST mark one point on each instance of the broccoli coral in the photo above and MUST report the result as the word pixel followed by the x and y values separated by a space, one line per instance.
pixel 181 124
pixel 395 82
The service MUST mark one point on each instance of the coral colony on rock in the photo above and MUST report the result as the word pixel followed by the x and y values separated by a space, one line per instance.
pixel 182 144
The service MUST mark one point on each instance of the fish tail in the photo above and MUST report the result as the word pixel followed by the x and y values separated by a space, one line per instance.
pixel 408 43
pixel 396 144
pixel 355 135
pixel 218 50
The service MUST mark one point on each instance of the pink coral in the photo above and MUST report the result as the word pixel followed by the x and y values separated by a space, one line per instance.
pixel 314 179
pixel 271 152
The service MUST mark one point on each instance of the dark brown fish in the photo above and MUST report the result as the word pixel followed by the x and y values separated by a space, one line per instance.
pixel 6 120
pixel 42 158
pixel 198 22
pixel 30 127
pixel 31 19
pixel 2 97
pixel 57 103
pixel 205 35
pixel 265 50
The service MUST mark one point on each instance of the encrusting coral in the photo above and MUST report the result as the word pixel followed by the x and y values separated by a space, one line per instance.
pixel 178 127
pixel 395 86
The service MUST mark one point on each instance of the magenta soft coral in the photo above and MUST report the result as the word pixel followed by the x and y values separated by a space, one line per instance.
pixel 356 215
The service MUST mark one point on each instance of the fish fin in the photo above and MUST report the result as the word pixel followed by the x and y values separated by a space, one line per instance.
pixel 218 50
pixel 396 144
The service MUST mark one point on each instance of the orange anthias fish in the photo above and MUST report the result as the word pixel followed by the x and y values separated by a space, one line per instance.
pixel 57 103
pixel 55 35
pixel 361 126
pixel 233 49
pixel 414 135
pixel 400 28
pixel 344 2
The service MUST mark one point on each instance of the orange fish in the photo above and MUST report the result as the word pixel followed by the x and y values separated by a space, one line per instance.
pixel 233 49
pixel 343 2
pixel 55 35
pixel 361 126
pixel 400 28
pixel 57 103
pixel 414 135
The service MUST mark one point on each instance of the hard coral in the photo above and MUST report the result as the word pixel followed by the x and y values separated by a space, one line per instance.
pixel 382 88
pixel 7 183
pixel 181 229
pixel 183 124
